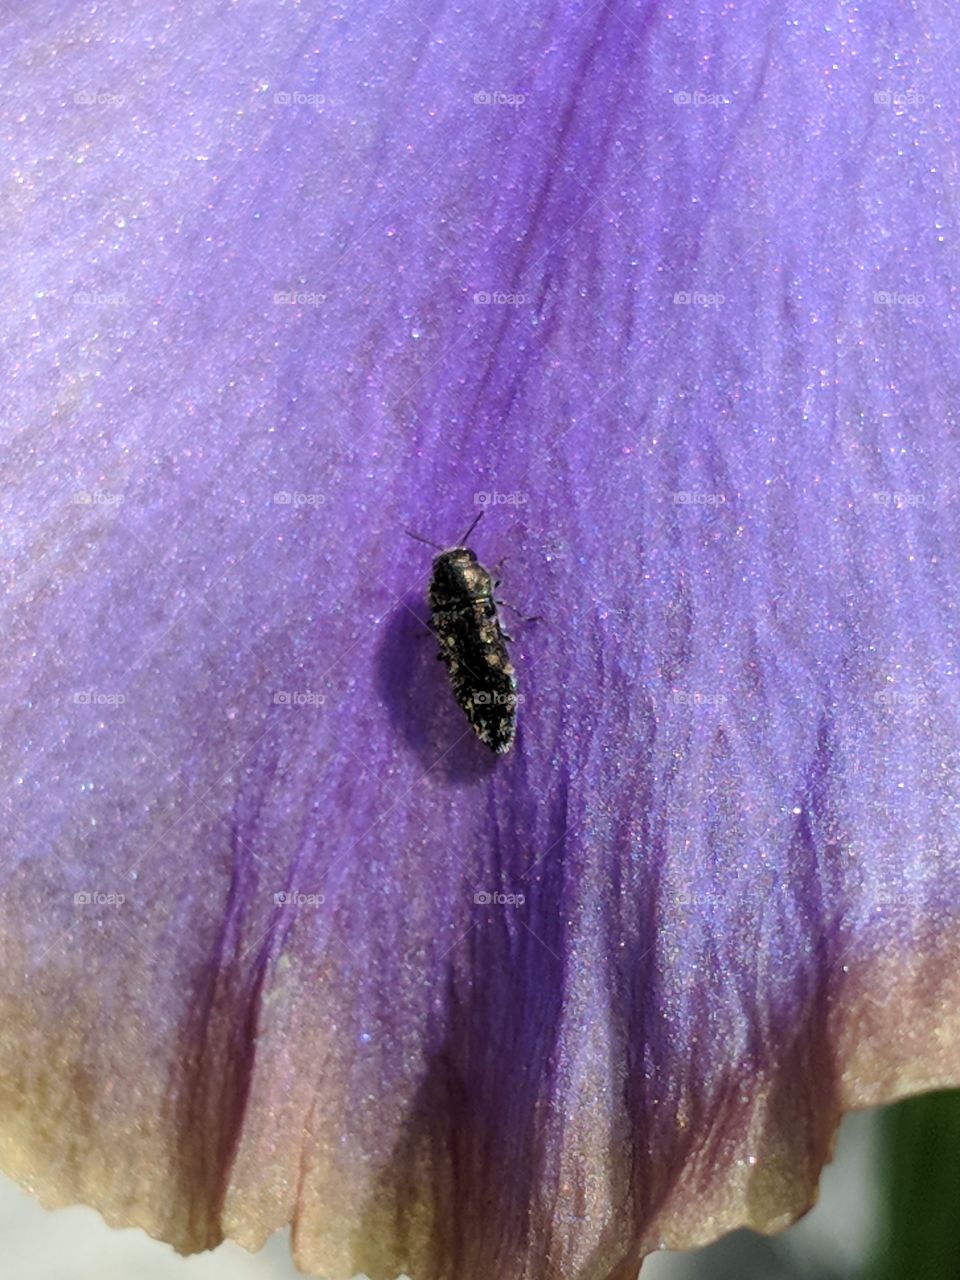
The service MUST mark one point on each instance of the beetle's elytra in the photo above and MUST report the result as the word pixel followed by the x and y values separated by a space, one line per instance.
pixel 464 618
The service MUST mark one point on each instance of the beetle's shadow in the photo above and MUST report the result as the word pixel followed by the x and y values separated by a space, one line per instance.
pixel 416 690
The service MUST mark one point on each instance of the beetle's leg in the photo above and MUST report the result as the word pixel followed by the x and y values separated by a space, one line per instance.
pixel 536 617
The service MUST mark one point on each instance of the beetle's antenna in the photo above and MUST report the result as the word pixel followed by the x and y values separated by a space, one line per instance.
pixel 410 534
pixel 463 540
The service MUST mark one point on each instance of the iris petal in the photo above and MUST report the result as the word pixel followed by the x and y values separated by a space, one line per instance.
pixel 668 294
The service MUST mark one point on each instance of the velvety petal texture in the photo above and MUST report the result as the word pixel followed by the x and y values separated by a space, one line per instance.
pixel 670 292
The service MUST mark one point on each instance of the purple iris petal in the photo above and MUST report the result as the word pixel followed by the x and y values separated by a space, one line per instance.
pixel 669 293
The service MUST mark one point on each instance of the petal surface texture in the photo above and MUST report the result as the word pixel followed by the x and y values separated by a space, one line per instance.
pixel 670 294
